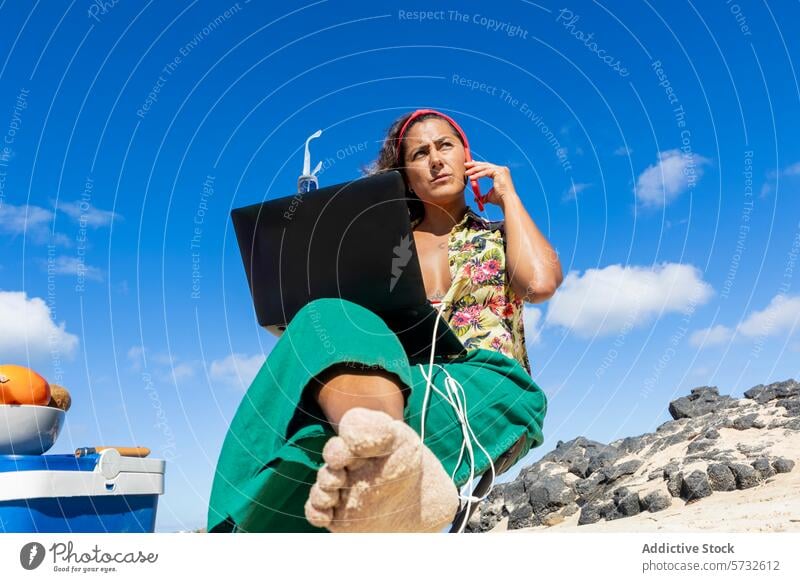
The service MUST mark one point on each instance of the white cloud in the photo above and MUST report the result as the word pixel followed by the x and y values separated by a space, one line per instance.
pixel 165 368
pixel 32 221
pixel 532 321
pixel 769 186
pixel 29 333
pixel 182 370
pixel 236 370
pixel 664 181
pixel 616 298
pixel 83 212
pixel 711 336
pixel 136 358
pixel 781 314
pixel 575 189
pixel 670 224
pixel 792 170
pixel 37 223
pixel 73 266
pixel 623 151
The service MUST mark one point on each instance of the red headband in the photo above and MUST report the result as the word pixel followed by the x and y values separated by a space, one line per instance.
pixel 479 199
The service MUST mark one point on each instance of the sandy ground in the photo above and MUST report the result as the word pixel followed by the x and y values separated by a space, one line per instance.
pixel 772 506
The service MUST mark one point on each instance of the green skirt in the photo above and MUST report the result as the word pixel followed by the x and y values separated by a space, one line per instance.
pixel 273 448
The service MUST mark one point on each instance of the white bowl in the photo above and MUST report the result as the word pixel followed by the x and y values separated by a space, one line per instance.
pixel 26 429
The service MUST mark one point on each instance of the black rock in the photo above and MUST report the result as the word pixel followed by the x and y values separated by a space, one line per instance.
pixel 677 438
pixel 579 467
pixel 746 476
pixel 575 449
pixel 490 512
pixel 515 496
pixel 763 467
pixel 631 444
pixel 619 493
pixel 695 486
pixel 750 450
pixel 699 445
pixel 626 468
pixel 792 406
pixel 549 493
pixel 593 512
pixel 668 426
pixel 671 469
pixel 628 505
pixel 721 477
pixel 657 474
pixel 711 433
pixel 589 488
pixel 793 424
pixel 746 421
pixel 602 460
pixel 610 512
pixel 675 483
pixel 655 501
pixel 762 394
pixel 712 455
pixel 521 517
pixel 782 465
pixel 702 400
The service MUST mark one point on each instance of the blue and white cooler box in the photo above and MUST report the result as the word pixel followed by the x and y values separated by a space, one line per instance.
pixel 103 492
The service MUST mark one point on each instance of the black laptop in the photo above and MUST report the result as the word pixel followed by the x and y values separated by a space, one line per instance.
pixel 352 241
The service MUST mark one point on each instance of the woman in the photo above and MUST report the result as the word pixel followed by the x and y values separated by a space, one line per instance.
pixel 329 439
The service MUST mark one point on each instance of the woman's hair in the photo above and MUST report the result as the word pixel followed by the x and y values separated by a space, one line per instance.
pixel 392 157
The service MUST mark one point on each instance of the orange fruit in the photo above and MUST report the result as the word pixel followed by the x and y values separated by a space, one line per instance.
pixel 21 385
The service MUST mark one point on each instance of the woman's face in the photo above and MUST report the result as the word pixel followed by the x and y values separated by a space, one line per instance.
pixel 434 161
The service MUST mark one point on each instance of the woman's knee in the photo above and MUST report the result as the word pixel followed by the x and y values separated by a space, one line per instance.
pixel 346 386
pixel 358 378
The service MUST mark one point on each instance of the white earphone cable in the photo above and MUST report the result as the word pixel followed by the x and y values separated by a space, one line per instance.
pixel 455 396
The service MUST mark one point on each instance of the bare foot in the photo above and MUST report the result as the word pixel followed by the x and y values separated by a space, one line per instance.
pixel 379 477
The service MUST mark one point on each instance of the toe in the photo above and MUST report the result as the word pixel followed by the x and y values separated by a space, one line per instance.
pixel 367 433
pixel 336 453
pixel 331 479
pixel 318 517
pixel 321 498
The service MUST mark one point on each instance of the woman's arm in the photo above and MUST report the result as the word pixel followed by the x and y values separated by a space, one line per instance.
pixel 532 265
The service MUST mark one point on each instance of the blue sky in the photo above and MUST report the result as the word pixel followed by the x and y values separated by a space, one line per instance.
pixel 653 143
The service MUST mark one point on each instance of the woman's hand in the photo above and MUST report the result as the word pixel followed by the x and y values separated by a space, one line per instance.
pixel 502 186
pixel 532 264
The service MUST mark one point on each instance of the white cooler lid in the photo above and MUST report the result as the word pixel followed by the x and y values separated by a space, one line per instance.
pixel 106 473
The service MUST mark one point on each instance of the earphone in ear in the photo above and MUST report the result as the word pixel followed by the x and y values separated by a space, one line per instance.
pixel 476 189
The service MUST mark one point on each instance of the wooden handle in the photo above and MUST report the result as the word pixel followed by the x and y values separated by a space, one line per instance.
pixel 128 451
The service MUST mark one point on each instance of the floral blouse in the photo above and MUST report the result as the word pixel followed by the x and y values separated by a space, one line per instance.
pixel 481 307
